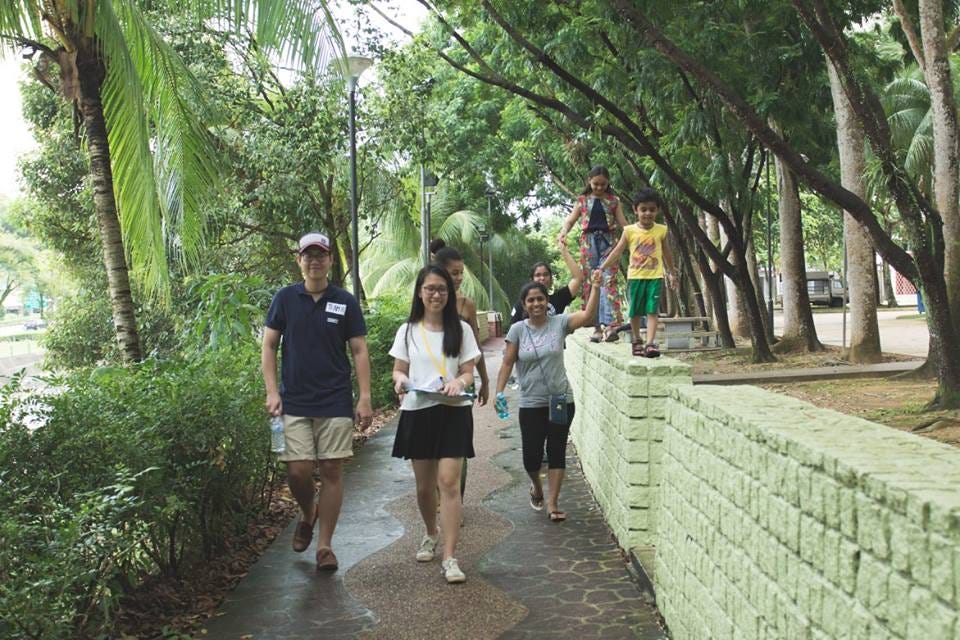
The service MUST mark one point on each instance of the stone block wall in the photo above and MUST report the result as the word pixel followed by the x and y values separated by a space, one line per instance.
pixel 778 519
pixel 618 430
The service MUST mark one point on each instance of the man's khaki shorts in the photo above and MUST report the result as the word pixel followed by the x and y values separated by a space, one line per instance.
pixel 317 438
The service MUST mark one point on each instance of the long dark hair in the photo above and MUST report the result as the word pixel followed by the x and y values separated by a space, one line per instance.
pixel 442 254
pixel 452 330
pixel 598 170
pixel 527 288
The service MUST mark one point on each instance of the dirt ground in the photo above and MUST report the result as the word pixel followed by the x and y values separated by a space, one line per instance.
pixel 896 403
pixel 738 360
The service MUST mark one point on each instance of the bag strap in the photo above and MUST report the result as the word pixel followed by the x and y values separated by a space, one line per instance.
pixel 537 356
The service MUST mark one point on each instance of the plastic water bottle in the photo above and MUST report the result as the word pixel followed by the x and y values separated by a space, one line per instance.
pixel 277 442
pixel 501 406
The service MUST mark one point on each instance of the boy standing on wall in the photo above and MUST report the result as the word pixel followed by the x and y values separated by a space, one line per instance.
pixel 649 251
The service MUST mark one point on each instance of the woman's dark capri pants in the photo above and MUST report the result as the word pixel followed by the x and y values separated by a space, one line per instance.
pixel 535 427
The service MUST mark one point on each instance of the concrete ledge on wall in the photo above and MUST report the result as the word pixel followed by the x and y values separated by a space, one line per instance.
pixel 618 430
pixel 782 520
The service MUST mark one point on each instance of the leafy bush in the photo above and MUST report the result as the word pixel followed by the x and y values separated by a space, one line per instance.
pixel 384 315
pixel 228 309
pixel 81 332
pixel 135 470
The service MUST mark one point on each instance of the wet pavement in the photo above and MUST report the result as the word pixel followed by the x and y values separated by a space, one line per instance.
pixel 570 576
pixel 527 577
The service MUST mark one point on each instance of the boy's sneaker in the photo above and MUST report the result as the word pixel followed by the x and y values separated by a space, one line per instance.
pixel 428 547
pixel 451 571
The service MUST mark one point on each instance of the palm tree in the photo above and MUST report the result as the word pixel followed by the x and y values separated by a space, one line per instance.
pixel 391 264
pixel 153 162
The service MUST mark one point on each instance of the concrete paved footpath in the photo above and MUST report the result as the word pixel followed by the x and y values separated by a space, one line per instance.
pixel 527 578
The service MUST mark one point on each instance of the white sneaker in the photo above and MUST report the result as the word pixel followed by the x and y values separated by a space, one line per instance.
pixel 428 547
pixel 451 571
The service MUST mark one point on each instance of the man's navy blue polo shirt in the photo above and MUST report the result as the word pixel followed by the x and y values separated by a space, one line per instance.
pixel 314 369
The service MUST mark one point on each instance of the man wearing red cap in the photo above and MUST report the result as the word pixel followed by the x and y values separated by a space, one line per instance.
pixel 311 323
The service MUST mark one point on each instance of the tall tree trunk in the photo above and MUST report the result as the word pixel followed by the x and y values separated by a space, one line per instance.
pixel 889 295
pixel 736 309
pixel 91 74
pixel 944 353
pixel 690 294
pixel 703 274
pixel 753 268
pixel 936 71
pixel 861 264
pixel 750 304
pixel 712 280
pixel 798 328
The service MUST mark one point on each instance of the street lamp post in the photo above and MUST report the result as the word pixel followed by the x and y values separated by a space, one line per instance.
pixel 428 183
pixel 353 66
pixel 490 194
pixel 482 231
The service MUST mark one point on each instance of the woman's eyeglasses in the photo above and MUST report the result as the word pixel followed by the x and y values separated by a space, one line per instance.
pixel 434 291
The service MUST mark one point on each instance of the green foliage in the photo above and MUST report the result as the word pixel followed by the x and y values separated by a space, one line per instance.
pixel 135 470
pixel 228 310
pixel 384 315
pixel 80 332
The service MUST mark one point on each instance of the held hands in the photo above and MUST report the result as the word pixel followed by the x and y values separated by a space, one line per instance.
pixel 596 277
pixel 562 240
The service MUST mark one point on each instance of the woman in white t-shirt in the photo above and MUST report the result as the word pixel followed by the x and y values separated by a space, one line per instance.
pixel 434 354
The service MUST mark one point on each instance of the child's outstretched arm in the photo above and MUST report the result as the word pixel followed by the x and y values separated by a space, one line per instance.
pixel 568 223
pixel 575 282
pixel 589 314
pixel 614 254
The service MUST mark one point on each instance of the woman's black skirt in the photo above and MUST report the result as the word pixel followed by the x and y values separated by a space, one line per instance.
pixel 436 432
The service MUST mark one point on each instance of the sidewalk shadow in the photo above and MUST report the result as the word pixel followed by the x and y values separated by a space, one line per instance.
pixel 284 597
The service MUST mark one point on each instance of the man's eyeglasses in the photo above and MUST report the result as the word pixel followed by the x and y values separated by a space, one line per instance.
pixel 318 256
pixel 434 291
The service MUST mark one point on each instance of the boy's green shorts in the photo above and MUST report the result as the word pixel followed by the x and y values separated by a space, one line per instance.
pixel 644 296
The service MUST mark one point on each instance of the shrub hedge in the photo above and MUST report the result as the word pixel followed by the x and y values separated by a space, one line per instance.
pixel 143 469
pixel 136 470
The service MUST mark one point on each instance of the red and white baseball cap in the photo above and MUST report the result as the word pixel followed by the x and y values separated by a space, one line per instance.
pixel 314 239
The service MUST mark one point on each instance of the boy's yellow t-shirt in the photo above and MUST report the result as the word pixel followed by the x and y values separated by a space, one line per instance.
pixel 646 251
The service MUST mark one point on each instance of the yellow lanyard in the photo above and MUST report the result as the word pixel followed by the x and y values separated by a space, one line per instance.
pixel 441 365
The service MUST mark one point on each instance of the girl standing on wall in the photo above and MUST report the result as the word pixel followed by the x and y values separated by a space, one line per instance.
pixel 535 345
pixel 602 221
pixel 434 351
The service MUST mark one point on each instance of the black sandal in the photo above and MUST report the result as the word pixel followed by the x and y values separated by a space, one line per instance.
pixel 652 351
pixel 536 502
